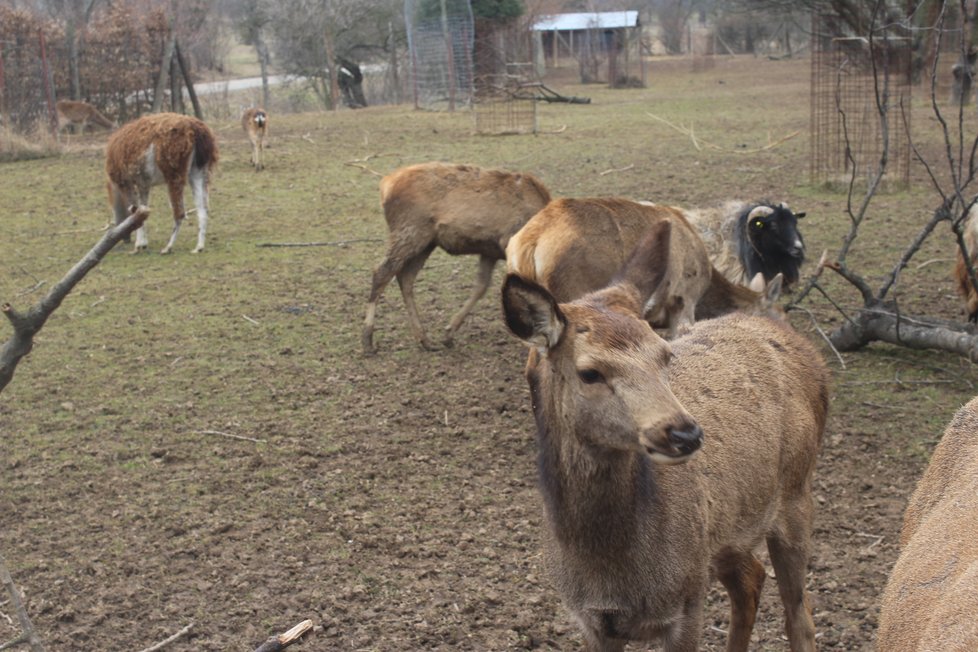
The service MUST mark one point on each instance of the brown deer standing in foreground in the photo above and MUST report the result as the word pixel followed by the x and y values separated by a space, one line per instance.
pixel 638 517
pixel 255 123
pixel 461 208
pixel 71 113
pixel 931 599
pixel 575 246
pixel 155 149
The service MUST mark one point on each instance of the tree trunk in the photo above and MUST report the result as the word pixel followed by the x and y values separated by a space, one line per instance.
pixel 185 71
pixel 164 67
pixel 261 48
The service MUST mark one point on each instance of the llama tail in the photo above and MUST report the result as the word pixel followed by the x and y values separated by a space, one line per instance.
pixel 205 147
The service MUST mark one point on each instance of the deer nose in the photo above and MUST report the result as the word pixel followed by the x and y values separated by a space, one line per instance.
pixel 687 438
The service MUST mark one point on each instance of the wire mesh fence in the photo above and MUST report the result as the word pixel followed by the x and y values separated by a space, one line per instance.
pixel 440 42
pixel 847 128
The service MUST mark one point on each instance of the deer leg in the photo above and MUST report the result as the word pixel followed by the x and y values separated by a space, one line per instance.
pixel 684 636
pixel 743 576
pixel 482 280
pixel 790 548
pixel 406 278
pixel 383 274
pixel 198 186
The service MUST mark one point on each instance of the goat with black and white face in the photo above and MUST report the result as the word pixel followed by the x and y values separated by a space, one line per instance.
pixel 770 243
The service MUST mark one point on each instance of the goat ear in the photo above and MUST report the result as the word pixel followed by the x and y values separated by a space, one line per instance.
pixel 800 215
pixel 532 313
pixel 648 262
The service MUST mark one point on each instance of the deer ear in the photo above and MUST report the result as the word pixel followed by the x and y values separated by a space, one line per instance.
pixel 532 313
pixel 772 291
pixel 648 262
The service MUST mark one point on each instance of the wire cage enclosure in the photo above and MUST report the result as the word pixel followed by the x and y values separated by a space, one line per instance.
pixel 440 39
pixel 847 128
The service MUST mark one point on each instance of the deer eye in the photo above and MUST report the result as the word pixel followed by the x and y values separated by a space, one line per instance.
pixel 590 376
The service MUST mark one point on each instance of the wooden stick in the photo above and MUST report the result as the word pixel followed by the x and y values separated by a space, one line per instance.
pixel 228 434
pixel 688 131
pixel 162 644
pixel 335 243
pixel 282 641
pixel 364 168
pixel 627 167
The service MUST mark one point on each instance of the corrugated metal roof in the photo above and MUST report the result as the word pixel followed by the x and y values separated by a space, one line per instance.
pixel 591 20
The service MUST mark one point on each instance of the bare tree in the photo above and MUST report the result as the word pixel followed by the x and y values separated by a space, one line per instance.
pixel 881 316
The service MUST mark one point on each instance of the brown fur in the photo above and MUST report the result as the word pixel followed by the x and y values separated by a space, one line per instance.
pixel 255 123
pixel 80 113
pixel 181 145
pixel 461 208
pixel 931 600
pixel 962 280
pixel 575 246
pixel 636 526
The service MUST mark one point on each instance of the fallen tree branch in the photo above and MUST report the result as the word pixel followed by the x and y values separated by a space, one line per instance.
pixel 334 243
pixel 26 325
pixel 282 641
pixel 884 325
pixel 162 644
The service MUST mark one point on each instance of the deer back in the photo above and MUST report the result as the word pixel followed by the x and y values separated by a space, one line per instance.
pixel 466 209
pixel 931 600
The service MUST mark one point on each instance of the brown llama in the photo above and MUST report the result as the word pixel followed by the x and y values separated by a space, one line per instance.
pixel 461 208
pixel 72 113
pixel 664 465
pixel 255 123
pixel 931 599
pixel 155 149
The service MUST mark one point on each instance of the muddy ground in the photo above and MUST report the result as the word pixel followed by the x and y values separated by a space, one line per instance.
pixel 198 439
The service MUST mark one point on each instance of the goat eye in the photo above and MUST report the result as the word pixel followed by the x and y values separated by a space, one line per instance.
pixel 590 376
pixel 758 224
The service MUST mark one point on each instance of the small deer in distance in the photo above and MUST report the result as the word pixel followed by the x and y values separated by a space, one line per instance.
pixel 164 148
pixel 255 123
pixel 81 115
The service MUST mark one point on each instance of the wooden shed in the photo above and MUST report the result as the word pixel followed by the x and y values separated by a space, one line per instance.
pixel 591 38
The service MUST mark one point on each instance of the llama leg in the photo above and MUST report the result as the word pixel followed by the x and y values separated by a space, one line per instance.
pixel 142 235
pixel 198 186
pixel 406 278
pixel 482 280
pixel 176 204
pixel 743 576
pixel 790 548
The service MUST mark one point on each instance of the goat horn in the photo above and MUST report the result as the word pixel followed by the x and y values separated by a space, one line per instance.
pixel 760 211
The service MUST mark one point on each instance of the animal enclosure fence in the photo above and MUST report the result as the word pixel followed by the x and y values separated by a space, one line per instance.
pixel 848 132
pixel 440 41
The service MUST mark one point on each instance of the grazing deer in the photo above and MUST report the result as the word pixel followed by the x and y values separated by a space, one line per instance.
pixel 255 123
pixel 931 599
pixel 83 114
pixel 575 246
pixel 155 149
pixel 663 464
pixel 461 208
